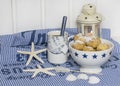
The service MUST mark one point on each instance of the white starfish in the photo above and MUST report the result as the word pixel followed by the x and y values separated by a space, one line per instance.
pixel 40 69
pixel 32 54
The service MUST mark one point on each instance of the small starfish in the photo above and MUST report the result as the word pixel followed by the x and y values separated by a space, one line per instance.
pixel 40 69
pixel 32 54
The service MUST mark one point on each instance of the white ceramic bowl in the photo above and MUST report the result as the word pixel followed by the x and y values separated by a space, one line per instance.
pixel 91 61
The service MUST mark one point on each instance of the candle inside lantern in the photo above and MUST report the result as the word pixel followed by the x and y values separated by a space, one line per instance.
pixel 90 34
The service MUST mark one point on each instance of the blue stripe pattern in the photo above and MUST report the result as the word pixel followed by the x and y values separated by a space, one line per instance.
pixel 12 63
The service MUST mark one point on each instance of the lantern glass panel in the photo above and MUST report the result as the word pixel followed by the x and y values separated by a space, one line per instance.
pixel 87 29
pixel 97 30
pixel 79 27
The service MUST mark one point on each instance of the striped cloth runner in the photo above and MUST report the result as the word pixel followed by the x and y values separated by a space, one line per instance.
pixel 12 63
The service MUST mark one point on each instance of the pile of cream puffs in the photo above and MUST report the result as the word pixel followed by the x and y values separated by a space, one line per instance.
pixel 88 43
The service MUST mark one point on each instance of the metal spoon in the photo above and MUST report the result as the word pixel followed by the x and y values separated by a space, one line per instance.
pixel 63 25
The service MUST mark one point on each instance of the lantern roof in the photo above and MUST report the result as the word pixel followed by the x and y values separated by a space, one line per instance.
pixel 89 9
pixel 89 15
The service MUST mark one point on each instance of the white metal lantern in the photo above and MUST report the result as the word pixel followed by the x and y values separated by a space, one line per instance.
pixel 88 22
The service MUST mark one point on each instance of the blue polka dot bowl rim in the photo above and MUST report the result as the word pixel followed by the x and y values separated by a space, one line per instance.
pixel 91 61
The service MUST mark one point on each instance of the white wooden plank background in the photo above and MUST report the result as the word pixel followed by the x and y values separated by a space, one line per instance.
pixel 111 11
pixel 22 15
pixel 5 17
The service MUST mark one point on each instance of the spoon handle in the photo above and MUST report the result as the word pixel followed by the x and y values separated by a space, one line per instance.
pixel 63 25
